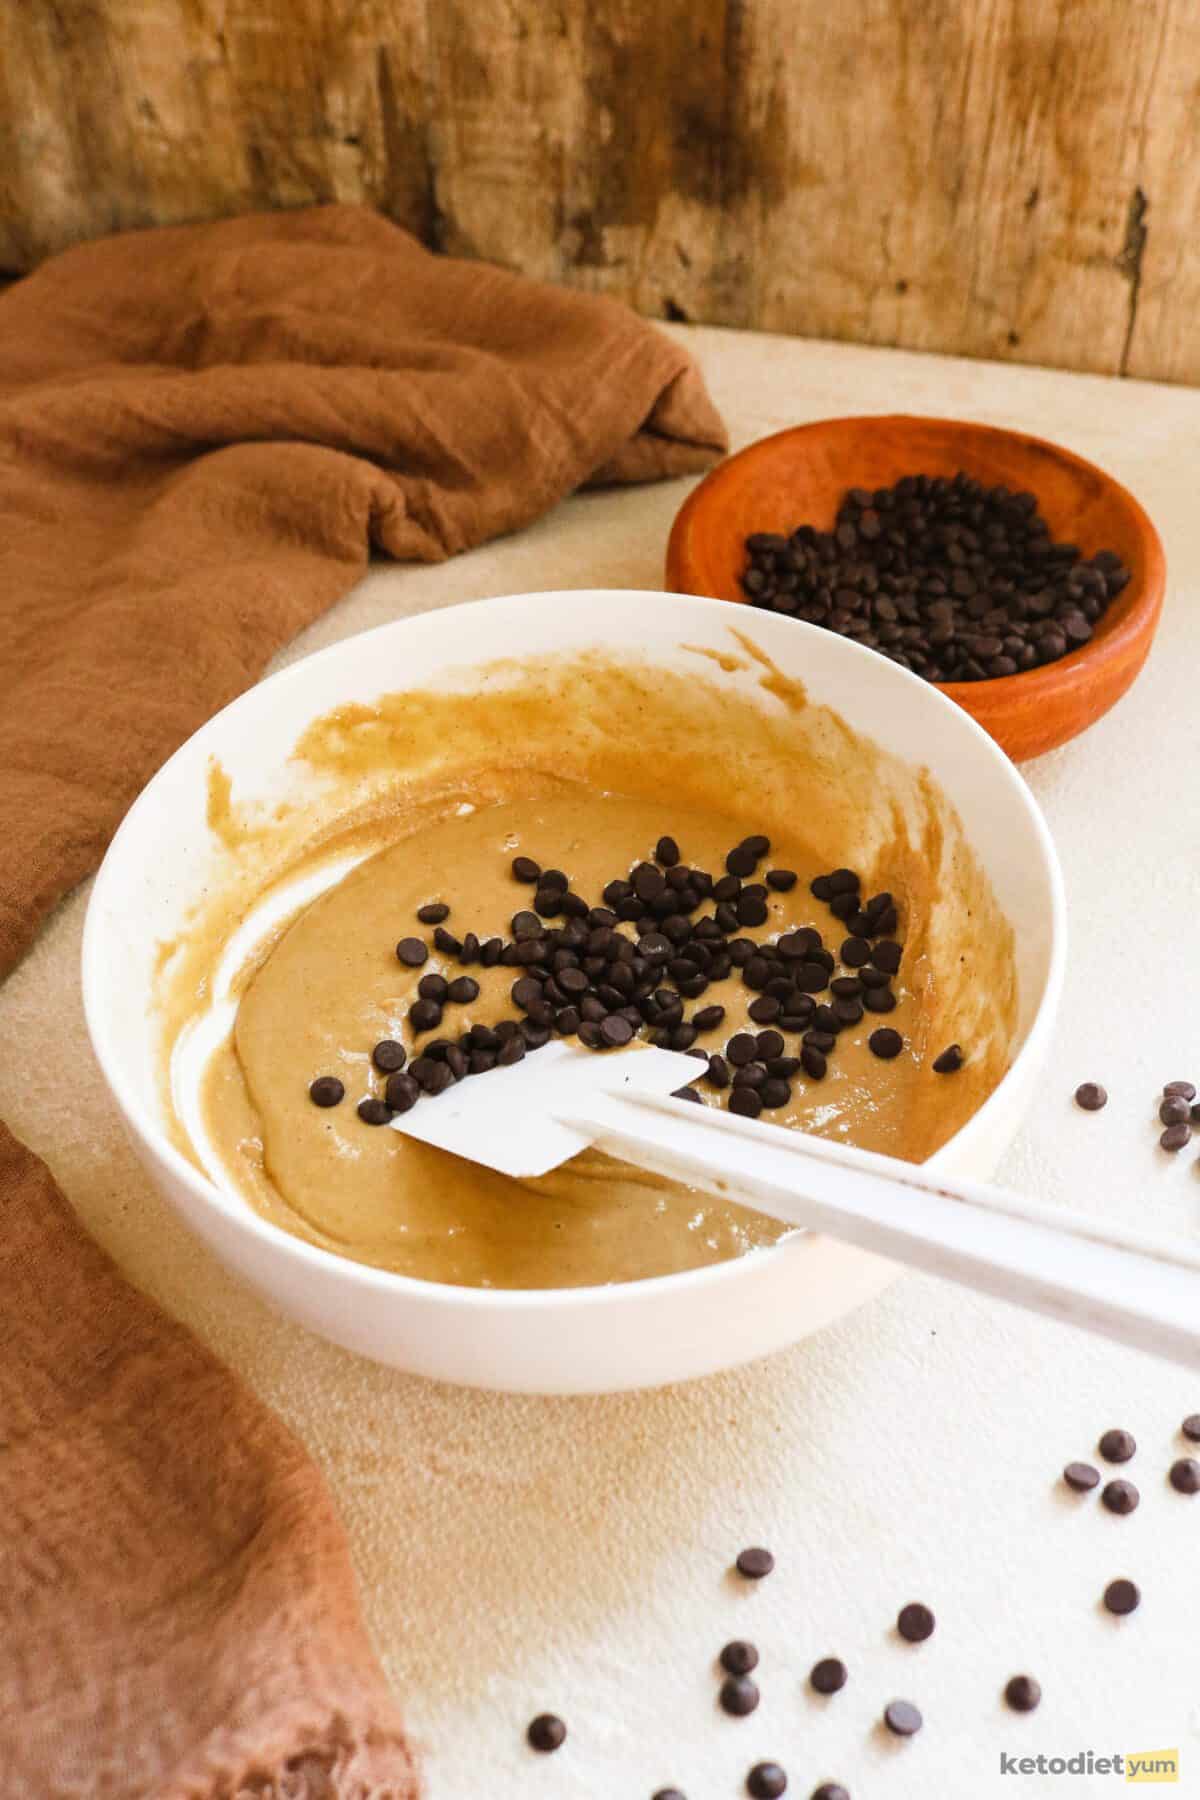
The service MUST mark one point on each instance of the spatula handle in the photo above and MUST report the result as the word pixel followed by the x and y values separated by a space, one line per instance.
pixel 1117 1283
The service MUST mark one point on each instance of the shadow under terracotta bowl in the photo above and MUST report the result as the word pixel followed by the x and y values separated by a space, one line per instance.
pixel 800 476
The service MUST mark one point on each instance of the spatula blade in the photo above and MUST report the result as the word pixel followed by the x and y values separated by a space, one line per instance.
pixel 508 1119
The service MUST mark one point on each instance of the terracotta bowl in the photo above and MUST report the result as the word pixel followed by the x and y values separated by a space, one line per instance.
pixel 799 477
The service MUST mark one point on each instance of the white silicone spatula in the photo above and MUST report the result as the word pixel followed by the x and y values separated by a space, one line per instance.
pixel 526 1120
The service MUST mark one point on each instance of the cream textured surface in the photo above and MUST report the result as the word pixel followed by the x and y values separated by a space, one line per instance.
pixel 572 1555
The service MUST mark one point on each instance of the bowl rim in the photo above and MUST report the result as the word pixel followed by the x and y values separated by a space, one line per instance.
pixel 274 1239
pixel 1138 616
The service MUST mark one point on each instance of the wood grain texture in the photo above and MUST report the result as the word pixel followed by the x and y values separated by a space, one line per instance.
pixel 1003 178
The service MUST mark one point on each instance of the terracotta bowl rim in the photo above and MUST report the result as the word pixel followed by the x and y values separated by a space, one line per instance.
pixel 1133 617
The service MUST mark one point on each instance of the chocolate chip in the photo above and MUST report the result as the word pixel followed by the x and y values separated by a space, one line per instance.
pixel 828 1676
pixel 885 1043
pixel 751 910
pixel 886 955
pixel 1176 1137
pixel 708 1018
pixel 741 861
pixel 764 1009
pixel 718 1072
pixel 669 1794
pixel 1120 1496
pixel 666 852
pixel 782 880
pixel 512 1050
pixel 915 1622
pixel 1117 1445
pixel 1191 1427
pixel 879 1000
pixel 949 1061
pixel 739 1657
pixel 433 987
pixel 1022 1693
pixel 412 952
pixel 433 913
pixel 1122 1596
pixel 1184 1475
pixel 1174 1110
pixel 742 1048
pixel 766 1781
pixel 462 990
pixel 327 1090
pixel 815 1065
pixel 745 1102
pixel 373 1112
pixel 546 1732
pixel 1091 1096
pixel 1182 1090
pixel 831 1790
pixel 739 1695
pixel 855 952
pixel 616 1030
pixel 388 1056
pixel 402 1092
pixel 1081 1476
pixel 526 870
pixel 902 1717
pixel 755 1562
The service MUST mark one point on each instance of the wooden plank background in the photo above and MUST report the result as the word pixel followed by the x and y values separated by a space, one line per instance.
pixel 1005 178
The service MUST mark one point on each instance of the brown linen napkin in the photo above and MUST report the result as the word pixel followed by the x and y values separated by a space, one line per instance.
pixel 203 433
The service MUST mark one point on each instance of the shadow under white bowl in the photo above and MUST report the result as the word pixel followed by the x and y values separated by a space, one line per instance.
pixel 571 1340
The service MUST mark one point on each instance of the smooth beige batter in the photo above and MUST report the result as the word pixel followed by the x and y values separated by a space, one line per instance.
pixel 331 987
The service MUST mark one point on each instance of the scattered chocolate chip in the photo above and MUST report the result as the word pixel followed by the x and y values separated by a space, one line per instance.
pixel 828 1676
pixel 666 852
pixel 424 1015
pixel 1191 1427
pixel 433 913
pixel 902 1717
pixel 1184 1475
pixel 708 1018
pixel 388 1056
pixel 686 1093
pixel 1174 1110
pixel 669 1794
pixel 755 1562
pixel 526 870
pixel 1122 1596
pixel 1081 1476
pixel 831 1790
pixel 885 1043
pixel 402 1092
pixel 1117 1445
pixel 1175 1137
pixel 915 1622
pixel 412 952
pixel 1120 1496
pixel 546 1732
pixel 326 1090
pixel 739 1695
pixel 766 1781
pixel 886 955
pixel 1182 1090
pixel 462 990
pixel 373 1112
pixel 949 1061
pixel 739 1657
pixel 1091 1096
pixel 813 1061
pixel 1023 1693
pixel 782 880
pixel 446 941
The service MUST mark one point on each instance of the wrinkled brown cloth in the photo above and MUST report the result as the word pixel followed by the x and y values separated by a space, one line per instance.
pixel 203 434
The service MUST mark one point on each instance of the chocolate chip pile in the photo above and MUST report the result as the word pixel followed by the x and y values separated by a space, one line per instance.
pixel 629 967
pixel 947 577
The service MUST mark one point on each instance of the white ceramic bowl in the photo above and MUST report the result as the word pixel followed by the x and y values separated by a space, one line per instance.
pixel 577 1340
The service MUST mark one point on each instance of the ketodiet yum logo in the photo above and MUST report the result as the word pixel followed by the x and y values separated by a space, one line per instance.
pixel 1123 1765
